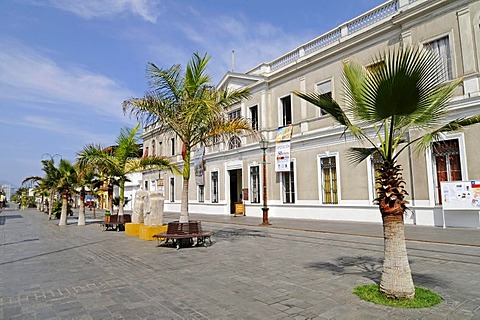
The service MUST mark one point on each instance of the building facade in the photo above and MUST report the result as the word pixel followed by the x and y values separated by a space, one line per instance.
pixel 320 182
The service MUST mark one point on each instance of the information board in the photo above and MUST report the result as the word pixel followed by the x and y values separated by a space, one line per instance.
pixel 460 195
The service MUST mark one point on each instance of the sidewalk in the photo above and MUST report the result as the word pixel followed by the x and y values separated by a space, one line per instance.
pixel 294 269
pixel 457 236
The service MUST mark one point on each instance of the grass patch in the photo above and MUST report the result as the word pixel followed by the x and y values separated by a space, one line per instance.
pixel 424 298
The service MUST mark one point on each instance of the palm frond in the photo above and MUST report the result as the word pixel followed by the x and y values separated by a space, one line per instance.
pixel 356 155
pixel 427 139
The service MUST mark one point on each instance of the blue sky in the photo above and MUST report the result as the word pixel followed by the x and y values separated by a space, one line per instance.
pixel 66 66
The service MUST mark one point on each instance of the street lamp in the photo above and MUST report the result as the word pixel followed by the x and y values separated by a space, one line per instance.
pixel 264 145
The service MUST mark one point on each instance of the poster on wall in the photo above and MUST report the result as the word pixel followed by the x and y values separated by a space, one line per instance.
pixel 198 165
pixel 282 149
pixel 460 195
pixel 282 157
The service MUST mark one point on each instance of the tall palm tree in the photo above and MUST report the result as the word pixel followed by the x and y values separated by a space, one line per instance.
pixel 188 106
pixel 66 184
pixel 121 161
pixel 403 92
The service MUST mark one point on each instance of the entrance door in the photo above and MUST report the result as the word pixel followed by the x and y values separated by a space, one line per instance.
pixel 235 188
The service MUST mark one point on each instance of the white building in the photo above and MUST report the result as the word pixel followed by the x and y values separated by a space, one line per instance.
pixel 321 184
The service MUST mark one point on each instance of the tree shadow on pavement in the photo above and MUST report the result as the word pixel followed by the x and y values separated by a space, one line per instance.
pixel 367 267
pixel 237 234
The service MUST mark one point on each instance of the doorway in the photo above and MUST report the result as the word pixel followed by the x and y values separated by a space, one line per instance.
pixel 235 188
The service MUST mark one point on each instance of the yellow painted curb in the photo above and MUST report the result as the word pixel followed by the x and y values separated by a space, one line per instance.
pixel 132 229
pixel 146 232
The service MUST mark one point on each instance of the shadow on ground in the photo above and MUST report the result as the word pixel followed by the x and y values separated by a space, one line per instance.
pixel 236 234
pixel 367 267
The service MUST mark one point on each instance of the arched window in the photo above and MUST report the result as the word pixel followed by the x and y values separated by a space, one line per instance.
pixel 234 143
pixel 153 148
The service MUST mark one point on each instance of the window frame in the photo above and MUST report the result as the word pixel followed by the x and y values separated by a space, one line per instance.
pixel 215 191
pixel 283 192
pixel 435 187
pixel 171 193
pixel 254 117
pixel 251 183
pixel 283 117
pixel 334 155
pixel 450 72
pixel 320 112
pixel 201 193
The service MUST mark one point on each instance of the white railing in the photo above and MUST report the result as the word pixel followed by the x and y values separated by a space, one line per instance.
pixel 284 60
pixel 378 14
pixel 373 16
pixel 322 41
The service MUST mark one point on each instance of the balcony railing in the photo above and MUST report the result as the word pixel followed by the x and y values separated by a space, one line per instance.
pixel 378 14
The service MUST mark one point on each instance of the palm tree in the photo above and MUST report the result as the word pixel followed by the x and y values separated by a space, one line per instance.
pixel 188 106
pixel 116 164
pixel 66 184
pixel 403 92
pixel 86 177
pixel 48 182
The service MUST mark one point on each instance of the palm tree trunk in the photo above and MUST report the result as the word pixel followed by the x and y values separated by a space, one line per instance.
pixel 50 203
pixel 396 281
pixel 184 206
pixel 121 196
pixel 63 216
pixel 110 197
pixel 81 210
pixel 186 178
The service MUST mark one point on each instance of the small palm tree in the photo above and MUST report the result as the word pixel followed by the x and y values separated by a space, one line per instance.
pixel 121 161
pixel 190 107
pixel 402 93
pixel 48 182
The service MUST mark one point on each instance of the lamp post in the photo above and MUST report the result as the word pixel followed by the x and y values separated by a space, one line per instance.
pixel 264 145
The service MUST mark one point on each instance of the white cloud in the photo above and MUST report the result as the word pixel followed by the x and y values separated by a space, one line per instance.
pixel 27 76
pixel 88 9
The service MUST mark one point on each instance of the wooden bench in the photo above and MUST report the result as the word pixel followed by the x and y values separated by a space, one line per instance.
pixel 182 234
pixel 116 222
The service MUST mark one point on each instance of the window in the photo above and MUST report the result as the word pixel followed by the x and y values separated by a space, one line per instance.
pixel 446 157
pixel 215 187
pixel 286 103
pixel 145 152
pixel 254 117
pixel 160 151
pixel 288 179
pixel 441 48
pixel 153 148
pixel 235 114
pixel 172 142
pixel 201 193
pixel 328 168
pixel 325 89
pixel 255 184
pixel 234 143
pixel 172 189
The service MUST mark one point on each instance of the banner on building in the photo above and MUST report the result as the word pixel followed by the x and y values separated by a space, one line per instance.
pixel 282 149
pixel 198 165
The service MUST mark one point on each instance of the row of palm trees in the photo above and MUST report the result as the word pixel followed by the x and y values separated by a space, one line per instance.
pixel 94 167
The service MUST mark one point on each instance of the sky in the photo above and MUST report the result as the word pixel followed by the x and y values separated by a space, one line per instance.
pixel 66 66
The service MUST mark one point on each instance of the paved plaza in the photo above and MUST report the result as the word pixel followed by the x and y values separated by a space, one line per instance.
pixel 295 269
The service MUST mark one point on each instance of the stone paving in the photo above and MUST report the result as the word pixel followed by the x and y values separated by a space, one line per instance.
pixel 291 270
